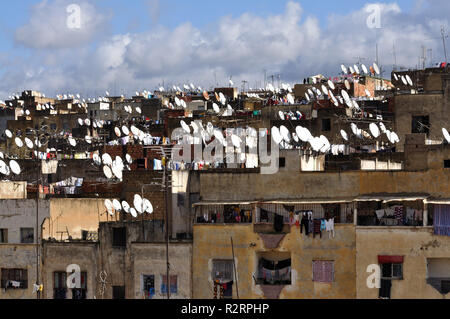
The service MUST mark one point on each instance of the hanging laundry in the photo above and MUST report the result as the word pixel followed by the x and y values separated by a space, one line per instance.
pixel 330 227
pixel 49 167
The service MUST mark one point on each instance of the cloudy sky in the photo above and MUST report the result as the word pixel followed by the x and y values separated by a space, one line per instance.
pixel 125 46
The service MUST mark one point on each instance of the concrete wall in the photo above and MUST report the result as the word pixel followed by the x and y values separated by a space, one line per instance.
pixel 415 244
pixel 57 256
pixel 214 242
pixel 74 215
pixel 13 190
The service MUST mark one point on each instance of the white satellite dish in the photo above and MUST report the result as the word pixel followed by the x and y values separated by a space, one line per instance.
pixel 148 207
pixel 344 135
pixel 285 134
pixel 138 204
pixel 109 206
pixel 138 110
pixel 134 130
pixel 8 133
pixel 355 104
pixel 281 115
pixel 118 132
pixel 446 134
pixel 290 99
pixel 117 171
pixel 87 122
pixel 276 135
pixel 347 84
pixel 97 160
pixel 106 158
pixel 236 141
pixel 116 204
pixel 125 130
pixel 345 95
pixel 364 68
pixel 351 69
pixel 376 68
pixel 88 139
pixel 18 142
pixel 185 127
pixel 382 127
pixel 408 79
pixel 331 85
pixel 307 96
pixel 405 82
pixel 395 77
pixel 126 207
pixel 218 135
pixel 133 212
pixel 107 171
pixel 324 89
pixel 2 155
pixel 344 69
pixel 356 69
pixel 394 138
pixel 216 108
pixel 354 128
pixel 15 167
pixel 129 159
pixel 28 143
pixel 374 130
pixel 80 122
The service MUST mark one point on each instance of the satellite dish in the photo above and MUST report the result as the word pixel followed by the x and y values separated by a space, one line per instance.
pixel 352 71
pixel 326 144
pixel 138 110
pixel 354 128
pixel 394 138
pixel 216 108
pixel 107 171
pixel 331 85
pixel 307 96
pixel 219 136
pixel 125 130
pixel 408 78
pixel 395 77
pixel 138 204
pixel 374 130
pixel 324 90
pixel 344 69
pixel 28 143
pixel 87 122
pixel 356 69
pixel 290 99
pixel 355 104
pixel 118 132
pixel 117 171
pixel 15 167
pixel 376 68
pixel 236 141
pixel 106 158
pixel 80 122
pixel 126 207
pixel 345 95
pixel 281 114
pixel 185 127
pixel 276 135
pixel 96 158
pixel 8 133
pixel 109 206
pixel 405 82
pixel 344 135
pixel 128 159
pixel 148 207
pixel 295 137
pixel 285 134
pixel 116 204
pixel 88 139
pixel 446 134
pixel 206 95
pixel 134 130
pixel 347 84
pixel 133 212
pixel 364 68
pixel 2 155
pixel 18 142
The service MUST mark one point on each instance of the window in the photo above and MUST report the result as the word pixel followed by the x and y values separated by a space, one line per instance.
pixel 323 271
pixel 119 237
pixel 14 279
pixel 282 162
pixel 59 285
pixel 392 271
pixel 326 125
pixel 173 284
pixel 80 293
pixel 421 124
pixel 149 286
pixel 274 272
pixel 222 270
pixel 3 236
pixel 27 235
pixel 118 292
pixel 447 164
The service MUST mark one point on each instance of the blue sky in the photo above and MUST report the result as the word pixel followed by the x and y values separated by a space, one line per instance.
pixel 138 44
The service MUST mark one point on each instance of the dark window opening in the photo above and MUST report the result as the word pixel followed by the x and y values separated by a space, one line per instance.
pixel 222 270
pixel 420 125
pixel 119 237
pixel 60 285
pixel 326 125
pixel 3 236
pixel 27 235
pixel 392 271
pixel 447 164
pixel 173 284
pixel 80 293
pixel 149 286
pixel 282 162
pixel 118 292
pixel 14 279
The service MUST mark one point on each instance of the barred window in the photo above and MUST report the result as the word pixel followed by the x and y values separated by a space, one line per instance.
pixel 222 270
pixel 323 271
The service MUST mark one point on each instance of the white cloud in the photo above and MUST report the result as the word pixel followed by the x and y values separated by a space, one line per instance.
pixel 291 44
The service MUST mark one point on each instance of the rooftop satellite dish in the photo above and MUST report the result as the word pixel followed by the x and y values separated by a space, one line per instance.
pixel 72 142
pixel 331 85
pixel 18 142
pixel 129 159
pixel 394 138
pixel 15 167
pixel 344 69
pixel 446 134
pixel 138 110
pixel 356 69
pixel 376 68
pixel 355 104
pixel 408 79
pixel 134 130
pixel 106 158
pixel 314 80
pixel 97 160
pixel 8 133
pixel 290 99
pixel 183 103
pixel 354 128
pixel 126 207
pixel 236 141
pixel 295 137
pixel 118 132
pixel 352 71
pixel 28 143
pixel 345 95
pixel 216 108
pixel 133 212
pixel 116 204
pixel 326 144
pixel 395 77
pixel 2 155
pixel 80 122
pixel 27 112
pixel 125 130
pixel 87 122
pixel 347 84
pixel 109 206
pixel 382 127
pixel 148 206
pixel 88 139
pixel 138 204
pixel 405 82
pixel 276 135
pixel 374 130
pixel 307 97
pixel 285 134
pixel 281 115
pixel 3 167
pixel 107 171
pixel 324 90
pixel 206 95
pixel 185 127
pixel 344 135
pixel 117 171
pixel 219 136
pixel 364 68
